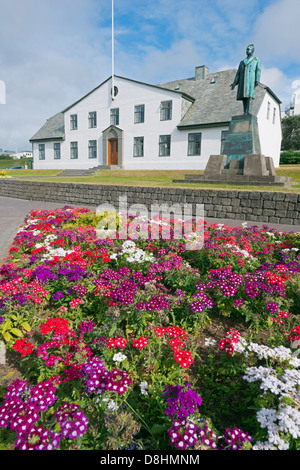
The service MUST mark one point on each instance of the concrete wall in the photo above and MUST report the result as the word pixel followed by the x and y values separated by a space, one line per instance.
pixel 258 206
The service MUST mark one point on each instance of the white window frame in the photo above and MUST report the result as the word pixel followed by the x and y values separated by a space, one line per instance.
pixel 165 145
pixel 166 110
pixel 42 155
pixel 192 144
pixel 92 146
pixel 57 150
pixel 114 116
pixel 139 114
pixel 92 119
pixel 74 150
pixel 138 146
pixel 73 122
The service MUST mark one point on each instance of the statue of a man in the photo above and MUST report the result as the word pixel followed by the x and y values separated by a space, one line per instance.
pixel 247 78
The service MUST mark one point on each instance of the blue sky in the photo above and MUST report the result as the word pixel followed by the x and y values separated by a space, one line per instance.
pixel 55 51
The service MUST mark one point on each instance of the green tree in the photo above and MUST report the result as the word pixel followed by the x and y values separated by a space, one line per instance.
pixel 5 157
pixel 290 133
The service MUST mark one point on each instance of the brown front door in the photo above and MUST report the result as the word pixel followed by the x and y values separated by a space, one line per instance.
pixel 113 152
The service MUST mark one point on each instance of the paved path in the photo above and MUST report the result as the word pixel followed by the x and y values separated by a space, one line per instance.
pixel 13 212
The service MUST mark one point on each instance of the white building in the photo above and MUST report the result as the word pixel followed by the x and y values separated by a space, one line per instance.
pixel 294 107
pixel 24 154
pixel 175 125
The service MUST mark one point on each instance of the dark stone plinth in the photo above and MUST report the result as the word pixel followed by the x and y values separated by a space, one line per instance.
pixel 242 139
pixel 241 162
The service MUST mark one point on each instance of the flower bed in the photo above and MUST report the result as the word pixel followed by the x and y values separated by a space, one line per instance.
pixel 147 344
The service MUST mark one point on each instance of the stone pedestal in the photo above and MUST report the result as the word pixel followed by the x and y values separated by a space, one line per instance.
pixel 242 139
pixel 241 162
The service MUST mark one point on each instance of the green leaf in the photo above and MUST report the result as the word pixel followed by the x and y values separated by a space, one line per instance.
pixel 6 326
pixel 17 332
pixel 26 326
pixel 7 336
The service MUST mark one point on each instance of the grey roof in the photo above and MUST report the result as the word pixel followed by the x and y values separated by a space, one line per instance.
pixel 215 102
pixel 53 129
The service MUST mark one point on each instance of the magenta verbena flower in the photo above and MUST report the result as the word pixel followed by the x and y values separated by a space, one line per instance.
pixel 236 438
pixel 37 438
pixel 98 378
pixel 72 420
pixel 15 414
pixel 183 434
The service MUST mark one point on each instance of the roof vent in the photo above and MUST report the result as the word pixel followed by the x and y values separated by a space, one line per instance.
pixel 201 72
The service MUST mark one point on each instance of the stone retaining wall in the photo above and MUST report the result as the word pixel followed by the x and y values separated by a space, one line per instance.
pixel 257 206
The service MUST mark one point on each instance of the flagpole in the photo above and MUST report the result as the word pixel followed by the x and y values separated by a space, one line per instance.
pixel 112 50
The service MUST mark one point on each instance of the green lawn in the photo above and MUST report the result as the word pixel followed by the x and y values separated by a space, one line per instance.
pixel 154 178
pixel 4 164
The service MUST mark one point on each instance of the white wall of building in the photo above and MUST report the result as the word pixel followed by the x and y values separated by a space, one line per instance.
pixel 130 93
pixel 270 132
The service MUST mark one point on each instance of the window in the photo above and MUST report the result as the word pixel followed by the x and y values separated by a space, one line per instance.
pixel 274 115
pixel 194 144
pixel 268 110
pixel 42 151
pixel 73 122
pixel 92 119
pixel 74 150
pixel 139 113
pixel 114 116
pixel 138 147
pixel 92 148
pixel 223 138
pixel 166 110
pixel 56 151
pixel 164 145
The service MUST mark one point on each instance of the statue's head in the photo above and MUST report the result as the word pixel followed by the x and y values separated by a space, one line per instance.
pixel 250 49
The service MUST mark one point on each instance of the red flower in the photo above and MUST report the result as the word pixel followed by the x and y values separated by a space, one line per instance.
pixel 57 325
pixel 75 302
pixel 116 342
pixel 24 346
pixel 140 342
pixel 184 358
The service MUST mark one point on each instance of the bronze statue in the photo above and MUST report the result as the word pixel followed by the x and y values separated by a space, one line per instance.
pixel 247 78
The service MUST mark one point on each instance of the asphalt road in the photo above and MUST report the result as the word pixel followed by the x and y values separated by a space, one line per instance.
pixel 13 211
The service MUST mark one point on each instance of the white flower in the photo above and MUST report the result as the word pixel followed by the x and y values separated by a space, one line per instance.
pixel 119 357
pixel 111 405
pixel 144 388
pixel 210 342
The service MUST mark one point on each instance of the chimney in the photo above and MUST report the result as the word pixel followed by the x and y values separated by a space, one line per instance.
pixel 201 72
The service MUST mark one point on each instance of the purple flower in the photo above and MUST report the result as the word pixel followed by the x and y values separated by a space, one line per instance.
pixel 72 420
pixel 43 273
pixel 58 295
pixel 182 401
